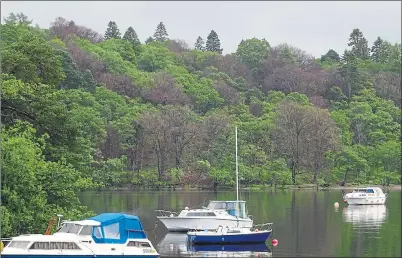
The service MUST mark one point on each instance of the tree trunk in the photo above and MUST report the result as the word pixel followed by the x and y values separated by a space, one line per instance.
pixel 294 168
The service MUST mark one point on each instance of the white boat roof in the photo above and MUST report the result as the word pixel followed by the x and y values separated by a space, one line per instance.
pixel 226 201
pixel 87 222
pixel 54 237
pixel 364 188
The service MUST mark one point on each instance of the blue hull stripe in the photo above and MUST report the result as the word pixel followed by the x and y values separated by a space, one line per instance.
pixel 240 238
pixel 78 256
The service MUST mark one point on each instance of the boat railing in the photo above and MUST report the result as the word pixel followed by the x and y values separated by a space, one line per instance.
pixel 264 226
pixel 165 213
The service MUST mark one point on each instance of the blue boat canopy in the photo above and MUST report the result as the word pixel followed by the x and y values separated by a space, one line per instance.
pixel 117 228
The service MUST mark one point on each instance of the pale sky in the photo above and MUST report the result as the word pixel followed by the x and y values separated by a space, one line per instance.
pixel 312 26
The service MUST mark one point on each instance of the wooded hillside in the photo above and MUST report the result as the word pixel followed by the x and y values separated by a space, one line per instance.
pixel 81 110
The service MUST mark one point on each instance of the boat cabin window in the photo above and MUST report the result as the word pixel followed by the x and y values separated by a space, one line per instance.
pixel 18 244
pixel 138 244
pixel 98 232
pixel 54 245
pixel 112 231
pixel 370 190
pixel 86 231
pixel 200 214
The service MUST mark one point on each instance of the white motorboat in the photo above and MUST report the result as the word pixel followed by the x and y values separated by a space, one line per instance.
pixel 106 235
pixel 224 213
pixel 366 195
pixel 217 213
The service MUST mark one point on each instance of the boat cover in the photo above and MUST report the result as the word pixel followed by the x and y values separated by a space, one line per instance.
pixel 117 228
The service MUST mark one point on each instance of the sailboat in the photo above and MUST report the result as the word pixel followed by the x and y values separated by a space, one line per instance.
pixel 216 214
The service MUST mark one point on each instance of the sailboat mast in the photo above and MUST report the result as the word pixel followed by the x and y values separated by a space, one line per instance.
pixel 237 170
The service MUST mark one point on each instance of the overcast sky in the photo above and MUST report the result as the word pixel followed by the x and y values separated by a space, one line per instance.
pixel 312 26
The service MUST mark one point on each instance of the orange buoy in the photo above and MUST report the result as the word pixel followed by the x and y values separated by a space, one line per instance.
pixel 274 242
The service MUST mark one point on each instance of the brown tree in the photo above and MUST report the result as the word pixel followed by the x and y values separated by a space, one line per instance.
pixel 230 95
pixel 170 132
pixel 177 46
pixel 166 92
pixel 63 29
pixel 322 136
pixel 183 129
pixel 292 125
pixel 118 83
pixel 85 61
pixel 388 86
pixel 157 135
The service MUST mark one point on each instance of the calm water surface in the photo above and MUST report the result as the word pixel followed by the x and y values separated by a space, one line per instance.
pixel 305 222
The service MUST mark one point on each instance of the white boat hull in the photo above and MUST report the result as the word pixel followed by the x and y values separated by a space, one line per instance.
pixel 186 224
pixel 365 201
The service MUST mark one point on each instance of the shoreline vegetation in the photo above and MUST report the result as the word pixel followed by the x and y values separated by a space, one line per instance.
pixel 252 188
pixel 83 111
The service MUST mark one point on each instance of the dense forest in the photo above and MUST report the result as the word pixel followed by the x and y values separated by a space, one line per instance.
pixel 80 110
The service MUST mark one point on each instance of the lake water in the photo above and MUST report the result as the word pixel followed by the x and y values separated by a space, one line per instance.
pixel 306 223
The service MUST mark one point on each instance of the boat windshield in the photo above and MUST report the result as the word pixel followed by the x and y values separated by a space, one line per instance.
pixel 363 190
pixel 70 228
pixel 86 231
pixel 230 207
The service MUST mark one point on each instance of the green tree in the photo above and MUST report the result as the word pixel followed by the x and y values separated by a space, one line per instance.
pixel 131 36
pixel 351 73
pixel 331 56
pixel 18 18
pixel 359 45
pixel 376 49
pixel 33 189
pixel 394 58
pixel 213 43
pixel 161 33
pixel 32 59
pixel 112 31
pixel 149 40
pixel 199 44
pixel 252 52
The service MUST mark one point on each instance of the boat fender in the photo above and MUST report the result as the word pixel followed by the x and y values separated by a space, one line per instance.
pixel 1 246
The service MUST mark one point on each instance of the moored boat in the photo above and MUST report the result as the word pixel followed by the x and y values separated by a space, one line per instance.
pixel 216 213
pixel 365 196
pixel 231 235
pixel 106 235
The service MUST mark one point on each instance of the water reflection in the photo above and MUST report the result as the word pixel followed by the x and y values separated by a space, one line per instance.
pixel 365 215
pixel 174 245
pixel 304 221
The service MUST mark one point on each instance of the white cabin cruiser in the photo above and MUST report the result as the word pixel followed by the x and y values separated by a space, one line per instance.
pixel 366 195
pixel 217 213
pixel 106 235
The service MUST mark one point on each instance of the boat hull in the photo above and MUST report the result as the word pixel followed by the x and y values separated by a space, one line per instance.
pixel 177 224
pixel 365 201
pixel 255 237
